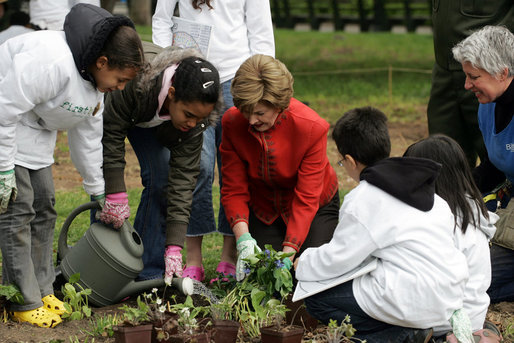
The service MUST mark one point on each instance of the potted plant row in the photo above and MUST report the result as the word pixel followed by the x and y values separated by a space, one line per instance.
pixel 135 327
pixel 259 297
pixel 248 304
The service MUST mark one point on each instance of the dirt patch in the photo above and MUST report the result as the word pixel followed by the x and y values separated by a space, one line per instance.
pixel 66 179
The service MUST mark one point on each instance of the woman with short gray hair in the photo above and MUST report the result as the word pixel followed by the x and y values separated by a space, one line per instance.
pixel 488 61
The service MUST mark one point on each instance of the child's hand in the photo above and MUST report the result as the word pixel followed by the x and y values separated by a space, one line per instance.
pixel 116 209
pixel 173 263
pixel 8 190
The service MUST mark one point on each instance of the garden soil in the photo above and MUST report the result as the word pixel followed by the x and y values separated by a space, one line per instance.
pixel 66 178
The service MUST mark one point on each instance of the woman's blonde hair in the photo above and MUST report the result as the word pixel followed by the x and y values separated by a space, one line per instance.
pixel 262 78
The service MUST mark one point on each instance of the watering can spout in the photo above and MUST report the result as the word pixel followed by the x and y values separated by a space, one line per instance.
pixel 134 287
pixel 184 285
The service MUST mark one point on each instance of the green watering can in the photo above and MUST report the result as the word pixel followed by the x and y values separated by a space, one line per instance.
pixel 108 261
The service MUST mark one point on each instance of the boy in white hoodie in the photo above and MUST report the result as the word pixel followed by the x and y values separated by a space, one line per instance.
pixel 393 215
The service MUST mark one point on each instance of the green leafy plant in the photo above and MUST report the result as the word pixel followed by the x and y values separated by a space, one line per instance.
pixel 509 331
pixel 266 271
pixel 222 310
pixel 75 302
pixel 11 293
pixel 336 333
pixel 275 313
pixel 156 306
pixel 135 315
pixel 254 301
pixel 187 313
pixel 102 326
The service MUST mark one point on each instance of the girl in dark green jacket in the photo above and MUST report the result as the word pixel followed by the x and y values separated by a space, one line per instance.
pixel 163 113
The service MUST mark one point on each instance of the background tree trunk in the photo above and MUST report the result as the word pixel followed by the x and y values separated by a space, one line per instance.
pixel 108 4
pixel 140 11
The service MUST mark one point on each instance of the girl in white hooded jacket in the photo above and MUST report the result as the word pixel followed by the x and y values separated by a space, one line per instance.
pixel 474 226
pixel 49 81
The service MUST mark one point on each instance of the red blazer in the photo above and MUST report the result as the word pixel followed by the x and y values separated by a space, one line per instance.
pixel 281 172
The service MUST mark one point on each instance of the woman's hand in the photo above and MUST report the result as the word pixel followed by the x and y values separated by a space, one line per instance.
pixel 288 261
pixel 246 246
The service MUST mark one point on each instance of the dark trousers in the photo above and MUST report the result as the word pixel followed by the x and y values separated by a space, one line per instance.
pixel 338 302
pixel 320 232
pixel 502 257
pixel 453 111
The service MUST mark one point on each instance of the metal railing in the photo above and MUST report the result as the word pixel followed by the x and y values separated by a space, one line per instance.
pixel 375 15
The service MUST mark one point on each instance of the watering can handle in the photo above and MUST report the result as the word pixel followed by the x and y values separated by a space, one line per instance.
pixel 62 246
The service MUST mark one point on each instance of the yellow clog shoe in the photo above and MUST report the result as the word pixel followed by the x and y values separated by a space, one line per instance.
pixel 39 316
pixel 51 303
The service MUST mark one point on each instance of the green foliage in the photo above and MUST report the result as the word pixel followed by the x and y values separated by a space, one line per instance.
pixel 187 313
pixel 275 313
pixel 156 306
pixel 252 302
pixel 102 326
pixel 267 273
pixel 75 302
pixel 338 332
pixel 11 293
pixel 135 315
pixel 222 310
pixel 509 331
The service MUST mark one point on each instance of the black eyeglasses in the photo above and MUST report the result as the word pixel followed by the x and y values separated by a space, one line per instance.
pixel 340 163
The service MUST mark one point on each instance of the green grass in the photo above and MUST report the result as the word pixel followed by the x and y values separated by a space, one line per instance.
pixel 337 71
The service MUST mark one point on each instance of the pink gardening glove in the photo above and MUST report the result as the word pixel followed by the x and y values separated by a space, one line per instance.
pixel 115 210
pixel 173 262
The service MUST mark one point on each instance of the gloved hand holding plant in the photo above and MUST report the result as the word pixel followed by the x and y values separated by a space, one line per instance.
pixel 246 246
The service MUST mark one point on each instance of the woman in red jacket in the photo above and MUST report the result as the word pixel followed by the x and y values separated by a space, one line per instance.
pixel 278 185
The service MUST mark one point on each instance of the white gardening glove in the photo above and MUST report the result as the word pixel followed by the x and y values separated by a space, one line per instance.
pixel 246 246
pixel 8 190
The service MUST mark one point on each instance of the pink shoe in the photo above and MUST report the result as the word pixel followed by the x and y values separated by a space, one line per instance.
pixel 226 269
pixel 194 272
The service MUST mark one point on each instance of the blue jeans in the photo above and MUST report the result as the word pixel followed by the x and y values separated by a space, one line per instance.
pixel 502 280
pixel 338 302
pixel 150 221
pixel 202 219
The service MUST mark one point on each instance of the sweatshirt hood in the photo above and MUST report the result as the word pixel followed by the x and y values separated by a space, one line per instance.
pixel 87 28
pixel 487 225
pixel 409 179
